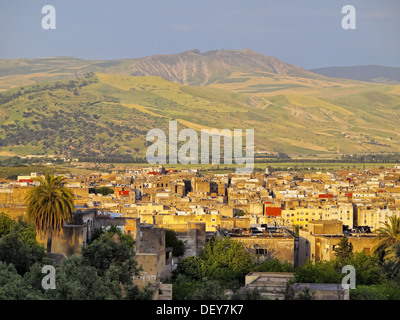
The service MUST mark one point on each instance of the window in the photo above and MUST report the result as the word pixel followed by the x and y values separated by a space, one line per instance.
pixel 261 251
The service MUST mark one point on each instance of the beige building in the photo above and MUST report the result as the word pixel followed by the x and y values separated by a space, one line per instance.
pixel 319 242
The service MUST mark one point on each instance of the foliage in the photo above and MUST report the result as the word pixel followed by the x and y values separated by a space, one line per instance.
pixel 133 293
pixel 13 286
pixel 184 287
pixel 105 191
pixel 209 290
pixel 384 291
pixel 388 235
pixel 226 259
pixel 250 294
pixel 392 261
pixel 78 281
pixel 320 272
pixel 6 224
pixel 50 205
pixel 171 240
pixel 344 249
pixel 18 244
pixel 192 267
pixel 110 254
pixel 368 270
pixel 113 231
pixel 104 270
pixel 274 266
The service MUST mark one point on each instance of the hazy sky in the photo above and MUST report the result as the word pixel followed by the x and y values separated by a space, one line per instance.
pixel 307 33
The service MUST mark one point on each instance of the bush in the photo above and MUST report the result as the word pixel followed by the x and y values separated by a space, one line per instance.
pixel 387 291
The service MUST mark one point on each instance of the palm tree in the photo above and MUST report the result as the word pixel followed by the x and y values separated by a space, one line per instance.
pixel 389 235
pixel 50 205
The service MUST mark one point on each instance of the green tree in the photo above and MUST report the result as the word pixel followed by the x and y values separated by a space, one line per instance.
pixel 392 261
pixel 344 249
pixel 368 270
pixel 6 223
pixel 192 267
pixel 133 293
pixel 388 235
pixel 114 231
pixel 224 256
pixel 249 294
pixel 320 272
pixel 184 287
pixel 386 291
pixel 274 265
pixel 209 290
pixel 13 286
pixel 171 240
pixel 49 206
pixel 109 254
pixel 18 244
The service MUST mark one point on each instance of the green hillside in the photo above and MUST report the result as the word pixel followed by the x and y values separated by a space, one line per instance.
pixel 109 114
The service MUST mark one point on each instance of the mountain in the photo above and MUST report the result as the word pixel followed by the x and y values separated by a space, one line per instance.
pixel 58 106
pixel 369 73
pixel 189 67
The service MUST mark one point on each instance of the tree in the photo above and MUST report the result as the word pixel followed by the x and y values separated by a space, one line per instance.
pixel 274 266
pixel 192 267
pixel 109 254
pixel 184 287
pixel 392 261
pixel 171 240
pixel 13 286
pixel 388 235
pixel 385 291
pixel 114 231
pixel 49 206
pixel 320 272
pixel 18 244
pixel 226 259
pixel 210 290
pixel 79 281
pixel 344 249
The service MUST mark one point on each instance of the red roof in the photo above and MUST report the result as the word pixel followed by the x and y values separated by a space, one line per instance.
pixel 273 211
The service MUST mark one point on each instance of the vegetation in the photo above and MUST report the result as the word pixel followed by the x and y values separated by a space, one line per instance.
pixel 105 117
pixel 49 206
pixel 171 240
pixel 104 270
pixel 389 235
pixel 102 190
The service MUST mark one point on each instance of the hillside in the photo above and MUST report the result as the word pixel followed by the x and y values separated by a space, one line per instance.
pixel 110 114
pixel 189 67
pixel 370 73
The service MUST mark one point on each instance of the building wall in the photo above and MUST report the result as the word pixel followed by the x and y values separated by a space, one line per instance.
pixel 194 238
pixel 280 248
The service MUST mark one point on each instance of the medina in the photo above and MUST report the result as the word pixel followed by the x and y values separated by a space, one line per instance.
pixel 189 151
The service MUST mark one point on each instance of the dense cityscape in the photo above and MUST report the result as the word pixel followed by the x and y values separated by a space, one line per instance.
pixel 287 219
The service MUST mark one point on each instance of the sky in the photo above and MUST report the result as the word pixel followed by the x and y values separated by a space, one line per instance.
pixel 307 33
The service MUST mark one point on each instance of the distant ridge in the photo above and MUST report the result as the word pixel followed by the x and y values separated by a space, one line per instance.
pixel 196 68
pixel 189 67
pixel 369 73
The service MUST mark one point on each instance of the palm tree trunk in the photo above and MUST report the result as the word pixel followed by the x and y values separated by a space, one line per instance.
pixel 49 240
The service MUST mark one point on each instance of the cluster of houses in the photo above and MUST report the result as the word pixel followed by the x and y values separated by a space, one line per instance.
pixel 290 216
